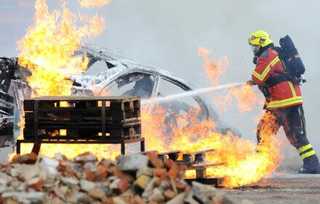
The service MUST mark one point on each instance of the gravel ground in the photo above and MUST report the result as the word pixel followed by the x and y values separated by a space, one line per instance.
pixel 282 189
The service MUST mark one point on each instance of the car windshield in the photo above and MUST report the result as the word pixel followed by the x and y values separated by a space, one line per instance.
pixel 134 84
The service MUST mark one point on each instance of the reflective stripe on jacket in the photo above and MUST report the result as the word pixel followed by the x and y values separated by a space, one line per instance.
pixel 283 94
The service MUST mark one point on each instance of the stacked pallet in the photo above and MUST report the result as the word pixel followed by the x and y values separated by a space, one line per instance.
pixel 109 120
pixel 82 117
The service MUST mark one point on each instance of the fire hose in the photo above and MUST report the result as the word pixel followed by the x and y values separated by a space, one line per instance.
pixel 193 93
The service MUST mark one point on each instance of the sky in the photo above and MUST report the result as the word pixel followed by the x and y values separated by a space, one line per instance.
pixel 168 33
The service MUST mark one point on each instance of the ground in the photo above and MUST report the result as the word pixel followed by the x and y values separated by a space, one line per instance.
pixel 282 189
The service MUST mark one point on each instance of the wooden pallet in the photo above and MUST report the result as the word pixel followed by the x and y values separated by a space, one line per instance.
pixel 84 117
pixel 194 161
pixel 110 120
pixel 187 158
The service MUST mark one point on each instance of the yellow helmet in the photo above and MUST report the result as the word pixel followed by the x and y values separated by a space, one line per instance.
pixel 260 38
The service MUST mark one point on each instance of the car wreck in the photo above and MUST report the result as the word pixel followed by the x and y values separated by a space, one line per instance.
pixel 116 76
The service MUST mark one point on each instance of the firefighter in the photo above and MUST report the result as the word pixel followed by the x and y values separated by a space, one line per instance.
pixel 283 99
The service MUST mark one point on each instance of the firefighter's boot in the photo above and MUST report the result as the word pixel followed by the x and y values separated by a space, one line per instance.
pixel 310 160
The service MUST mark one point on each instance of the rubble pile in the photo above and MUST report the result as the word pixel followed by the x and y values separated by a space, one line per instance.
pixel 135 178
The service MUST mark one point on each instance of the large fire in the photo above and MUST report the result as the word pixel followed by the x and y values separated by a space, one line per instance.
pixel 239 161
pixel 48 51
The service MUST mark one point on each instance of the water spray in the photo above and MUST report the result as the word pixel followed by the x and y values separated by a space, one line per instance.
pixel 191 93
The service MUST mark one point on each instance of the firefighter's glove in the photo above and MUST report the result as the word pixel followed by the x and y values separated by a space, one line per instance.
pixel 251 83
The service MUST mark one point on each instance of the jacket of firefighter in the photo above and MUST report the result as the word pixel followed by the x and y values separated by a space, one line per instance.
pixel 280 95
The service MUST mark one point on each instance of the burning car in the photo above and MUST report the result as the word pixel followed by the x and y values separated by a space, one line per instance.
pixel 122 77
pixel 117 77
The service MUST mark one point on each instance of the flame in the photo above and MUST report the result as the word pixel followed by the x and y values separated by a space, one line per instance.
pixel 239 161
pixel 259 161
pixel 214 68
pixel 48 49
pixel 153 118
pixel 72 150
pixel 244 96
pixel 93 3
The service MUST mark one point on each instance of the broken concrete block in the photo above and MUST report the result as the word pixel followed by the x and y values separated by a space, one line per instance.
pixel 142 181
pixel 107 200
pixel 87 185
pixel 132 162
pixel 56 200
pixel 189 198
pixel 4 179
pixel 137 200
pixel 83 198
pixel 23 196
pixel 149 188
pixel 102 171
pixel 69 181
pixel 118 200
pixel 157 196
pixel 160 172
pixel 36 183
pixel 97 193
pixel 25 172
pixel 49 165
pixel 169 194
pixel 178 199
pixel 15 184
pixel 181 185
pixel 123 185
pixel 60 191
pixel 154 159
pixel 3 188
pixel 91 166
pixel 10 201
pixel 66 168
pixel 89 175
pixel 86 157
pixel 145 171
pixel 114 183
pixel 165 184
pixel 208 194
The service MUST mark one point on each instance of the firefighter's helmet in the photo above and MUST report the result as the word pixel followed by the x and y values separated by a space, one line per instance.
pixel 260 39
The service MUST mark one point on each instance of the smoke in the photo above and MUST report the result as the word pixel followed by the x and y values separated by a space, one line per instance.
pixel 168 33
